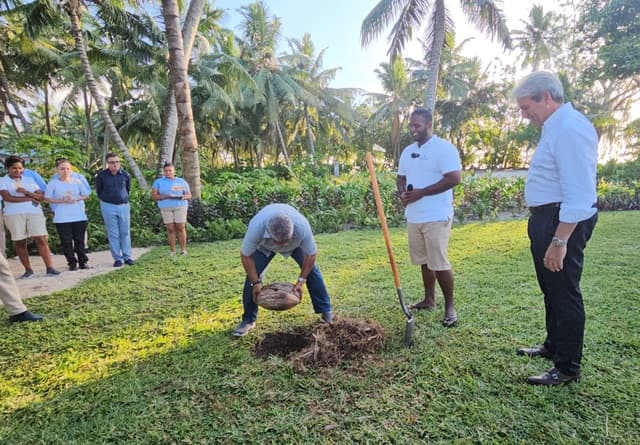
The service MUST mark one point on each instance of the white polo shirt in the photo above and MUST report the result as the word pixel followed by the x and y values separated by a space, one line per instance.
pixel 424 166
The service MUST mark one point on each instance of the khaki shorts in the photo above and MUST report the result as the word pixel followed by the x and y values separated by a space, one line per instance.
pixel 428 244
pixel 174 215
pixel 26 225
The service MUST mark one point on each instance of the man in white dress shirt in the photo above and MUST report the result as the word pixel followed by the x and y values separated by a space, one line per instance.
pixel 561 195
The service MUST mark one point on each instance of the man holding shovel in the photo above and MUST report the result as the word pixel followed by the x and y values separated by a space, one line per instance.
pixel 428 170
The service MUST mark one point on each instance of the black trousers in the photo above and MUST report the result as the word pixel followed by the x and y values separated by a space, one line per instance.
pixel 564 309
pixel 72 240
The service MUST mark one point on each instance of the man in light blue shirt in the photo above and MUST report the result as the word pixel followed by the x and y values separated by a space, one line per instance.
pixel 279 228
pixel 561 194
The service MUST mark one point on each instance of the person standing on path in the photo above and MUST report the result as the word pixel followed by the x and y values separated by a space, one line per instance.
pixel 172 195
pixel 23 215
pixel 68 195
pixel 113 185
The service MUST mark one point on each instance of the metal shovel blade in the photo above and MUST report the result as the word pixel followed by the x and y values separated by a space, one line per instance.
pixel 411 321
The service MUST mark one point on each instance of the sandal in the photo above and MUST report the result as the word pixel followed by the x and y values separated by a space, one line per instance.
pixel 422 305
pixel 447 321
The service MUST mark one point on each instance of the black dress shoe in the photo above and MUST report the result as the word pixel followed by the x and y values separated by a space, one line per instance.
pixel 74 266
pixel 552 377
pixel 85 266
pixel 535 352
pixel 25 316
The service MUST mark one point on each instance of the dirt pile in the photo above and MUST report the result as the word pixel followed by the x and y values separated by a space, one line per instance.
pixel 323 344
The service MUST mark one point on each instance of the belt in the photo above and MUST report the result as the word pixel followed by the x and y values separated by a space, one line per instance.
pixel 115 203
pixel 552 206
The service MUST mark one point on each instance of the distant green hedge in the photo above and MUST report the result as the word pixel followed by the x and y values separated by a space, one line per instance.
pixel 331 204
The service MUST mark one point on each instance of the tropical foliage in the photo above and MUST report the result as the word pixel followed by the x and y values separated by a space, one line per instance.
pixel 98 74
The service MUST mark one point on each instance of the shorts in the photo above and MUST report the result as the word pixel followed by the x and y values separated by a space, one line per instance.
pixel 428 244
pixel 26 225
pixel 173 215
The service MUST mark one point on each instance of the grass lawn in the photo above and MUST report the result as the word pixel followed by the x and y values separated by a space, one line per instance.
pixel 143 355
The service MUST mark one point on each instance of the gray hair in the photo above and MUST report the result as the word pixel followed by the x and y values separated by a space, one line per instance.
pixel 536 84
pixel 280 228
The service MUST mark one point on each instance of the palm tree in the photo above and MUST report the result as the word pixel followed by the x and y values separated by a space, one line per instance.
pixel 190 27
pixel 306 67
pixel 538 40
pixel 73 9
pixel 395 104
pixel 412 14
pixel 182 90
pixel 275 86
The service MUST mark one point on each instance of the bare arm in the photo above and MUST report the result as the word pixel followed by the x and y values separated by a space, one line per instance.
pixel 448 181
pixel 249 266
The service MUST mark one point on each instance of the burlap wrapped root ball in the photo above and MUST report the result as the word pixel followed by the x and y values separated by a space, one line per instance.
pixel 277 297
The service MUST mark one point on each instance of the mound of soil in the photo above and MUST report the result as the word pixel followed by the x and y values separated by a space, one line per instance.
pixel 323 344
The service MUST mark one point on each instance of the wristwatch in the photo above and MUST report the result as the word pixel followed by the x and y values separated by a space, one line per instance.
pixel 302 280
pixel 557 242
pixel 256 282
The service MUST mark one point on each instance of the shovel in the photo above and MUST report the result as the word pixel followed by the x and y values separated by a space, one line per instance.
pixel 411 322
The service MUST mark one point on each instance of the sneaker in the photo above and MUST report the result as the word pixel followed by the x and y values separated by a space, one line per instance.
pixel 85 266
pixel 172 254
pixel 184 252
pixel 73 267
pixel 52 272
pixel 327 317
pixel 27 274
pixel 25 316
pixel 117 263
pixel 129 262
pixel 243 329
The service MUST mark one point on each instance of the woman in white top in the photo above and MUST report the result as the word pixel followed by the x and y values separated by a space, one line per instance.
pixel 23 214
pixel 68 193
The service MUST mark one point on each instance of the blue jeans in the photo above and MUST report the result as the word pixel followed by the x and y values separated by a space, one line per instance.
pixel 117 221
pixel 315 285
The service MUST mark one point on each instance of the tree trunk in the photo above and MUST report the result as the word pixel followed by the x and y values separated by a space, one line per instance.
pixel 283 146
pixel 395 137
pixel 435 53
pixel 72 8
pixel 311 147
pixel 90 137
pixel 168 140
pixel 180 81
pixel 8 99
pixel 47 114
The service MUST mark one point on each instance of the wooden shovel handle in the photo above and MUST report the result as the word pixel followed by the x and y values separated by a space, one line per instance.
pixel 383 219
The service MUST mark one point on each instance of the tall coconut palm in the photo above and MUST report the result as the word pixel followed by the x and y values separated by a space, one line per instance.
pixel 74 9
pixel 182 90
pixel 190 27
pixel 411 15
pixel 394 105
pixel 275 86
pixel 538 41
pixel 306 67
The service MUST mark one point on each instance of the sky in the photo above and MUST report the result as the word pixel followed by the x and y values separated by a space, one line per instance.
pixel 335 25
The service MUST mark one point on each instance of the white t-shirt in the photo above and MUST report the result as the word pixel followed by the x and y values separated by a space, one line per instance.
pixel 424 166
pixel 18 208
pixel 67 212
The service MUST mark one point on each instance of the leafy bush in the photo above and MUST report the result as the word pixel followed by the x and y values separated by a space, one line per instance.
pixel 231 199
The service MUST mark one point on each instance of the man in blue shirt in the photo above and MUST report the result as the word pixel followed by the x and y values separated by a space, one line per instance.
pixel 279 228
pixel 113 185
pixel 561 195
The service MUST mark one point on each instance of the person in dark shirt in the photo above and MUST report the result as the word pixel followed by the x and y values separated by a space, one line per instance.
pixel 113 185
